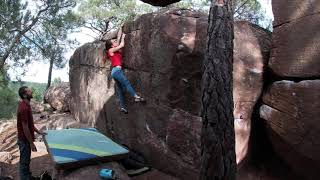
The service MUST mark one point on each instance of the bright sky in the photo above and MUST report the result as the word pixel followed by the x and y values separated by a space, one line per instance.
pixel 38 71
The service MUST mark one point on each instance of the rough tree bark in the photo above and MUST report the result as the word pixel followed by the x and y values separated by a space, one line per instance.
pixel 217 136
pixel 50 73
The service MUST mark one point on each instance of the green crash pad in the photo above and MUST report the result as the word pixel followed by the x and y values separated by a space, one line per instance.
pixel 71 148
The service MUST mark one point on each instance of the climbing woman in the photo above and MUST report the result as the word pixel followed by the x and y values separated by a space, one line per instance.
pixel 113 53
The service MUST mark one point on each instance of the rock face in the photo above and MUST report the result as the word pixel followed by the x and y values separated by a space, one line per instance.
pixel 91 85
pixel 296 37
pixel 92 172
pixel 5 157
pixel 251 52
pixel 291 109
pixel 60 121
pixel 37 107
pixel 289 10
pixel 154 175
pixel 59 97
pixel 292 113
pixel 162 59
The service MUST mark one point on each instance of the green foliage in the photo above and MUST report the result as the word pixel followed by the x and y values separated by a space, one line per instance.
pixel 4 78
pixel 248 10
pixel 104 15
pixel 8 99
pixel 37 88
pixel 37 94
pixel 11 21
pixel 201 5
pixel 35 31
pixel 56 81
pixel 8 103
pixel 9 96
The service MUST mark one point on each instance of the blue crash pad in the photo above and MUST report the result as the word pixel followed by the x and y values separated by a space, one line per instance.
pixel 77 147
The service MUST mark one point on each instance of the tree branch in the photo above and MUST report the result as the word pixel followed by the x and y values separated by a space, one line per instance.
pixel 52 36
pixel 236 11
pixel 35 43
pixel 95 28
pixel 92 28
pixel 17 38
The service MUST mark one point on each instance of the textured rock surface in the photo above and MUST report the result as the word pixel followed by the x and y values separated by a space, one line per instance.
pixel 162 59
pixel 163 63
pixel 59 97
pixel 154 175
pixel 5 157
pixel 37 107
pixel 251 52
pixel 90 88
pixel 295 51
pixel 60 121
pixel 288 10
pixel 291 109
pixel 296 37
pixel 292 113
pixel 92 172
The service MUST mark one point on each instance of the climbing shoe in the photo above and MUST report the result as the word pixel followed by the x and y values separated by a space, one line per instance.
pixel 123 110
pixel 139 99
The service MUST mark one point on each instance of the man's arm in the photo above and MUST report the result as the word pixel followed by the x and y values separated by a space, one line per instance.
pixel 39 131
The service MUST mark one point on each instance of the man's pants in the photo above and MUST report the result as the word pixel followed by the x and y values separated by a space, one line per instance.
pixel 25 155
pixel 123 85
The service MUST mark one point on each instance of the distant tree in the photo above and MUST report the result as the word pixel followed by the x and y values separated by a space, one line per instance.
pixel 35 32
pixel 37 94
pixel 4 78
pixel 8 98
pixel 57 81
pixel 8 103
pixel 56 59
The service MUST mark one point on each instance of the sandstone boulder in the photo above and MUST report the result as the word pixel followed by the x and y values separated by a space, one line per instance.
pixel 92 172
pixel 251 52
pixel 90 84
pixel 295 51
pixel 154 175
pixel 292 113
pixel 59 97
pixel 37 107
pixel 288 10
pixel 59 121
pixel 162 59
pixel 5 157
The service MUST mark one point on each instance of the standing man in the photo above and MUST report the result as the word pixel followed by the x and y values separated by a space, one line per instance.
pixel 26 131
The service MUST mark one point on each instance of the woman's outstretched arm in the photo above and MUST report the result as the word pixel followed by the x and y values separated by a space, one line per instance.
pixel 121 45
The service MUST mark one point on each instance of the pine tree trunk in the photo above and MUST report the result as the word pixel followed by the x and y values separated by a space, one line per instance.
pixel 50 73
pixel 217 136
